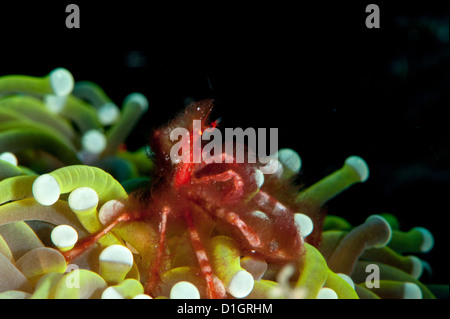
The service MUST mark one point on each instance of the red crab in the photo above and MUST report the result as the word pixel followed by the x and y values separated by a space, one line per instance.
pixel 201 198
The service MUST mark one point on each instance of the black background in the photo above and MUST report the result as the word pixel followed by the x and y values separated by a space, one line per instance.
pixel 331 86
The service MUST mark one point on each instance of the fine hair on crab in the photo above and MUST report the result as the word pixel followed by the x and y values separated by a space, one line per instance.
pixel 199 199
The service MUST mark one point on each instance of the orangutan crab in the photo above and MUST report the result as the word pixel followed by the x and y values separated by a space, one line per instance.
pixel 203 197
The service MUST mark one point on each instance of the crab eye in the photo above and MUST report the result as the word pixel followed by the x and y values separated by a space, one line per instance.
pixel 304 224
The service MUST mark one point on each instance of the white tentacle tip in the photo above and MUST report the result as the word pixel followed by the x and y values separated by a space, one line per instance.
pixel 61 81
pixel 109 211
pixel 259 178
pixel 139 99
pixel 82 199
pixel 428 239
pixel 411 291
pixel 142 296
pixel 347 279
pixel 9 157
pixel 117 254
pixel 108 113
pixel 327 293
pixel 184 290
pixel 55 103
pixel 417 266
pixel 46 190
pixel 290 159
pixel 388 236
pixel 64 237
pixel 94 141
pixel 304 224
pixel 272 166
pixel 111 293
pixel 360 166
pixel 241 285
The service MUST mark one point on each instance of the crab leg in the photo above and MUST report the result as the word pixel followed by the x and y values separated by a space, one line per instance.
pixel 214 291
pixel 153 273
pixel 264 200
pixel 238 183
pixel 246 230
pixel 84 244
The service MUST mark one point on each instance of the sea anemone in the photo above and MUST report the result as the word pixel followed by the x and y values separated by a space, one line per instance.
pixel 65 176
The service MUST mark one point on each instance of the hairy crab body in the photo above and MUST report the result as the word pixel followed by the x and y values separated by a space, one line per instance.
pixel 199 199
